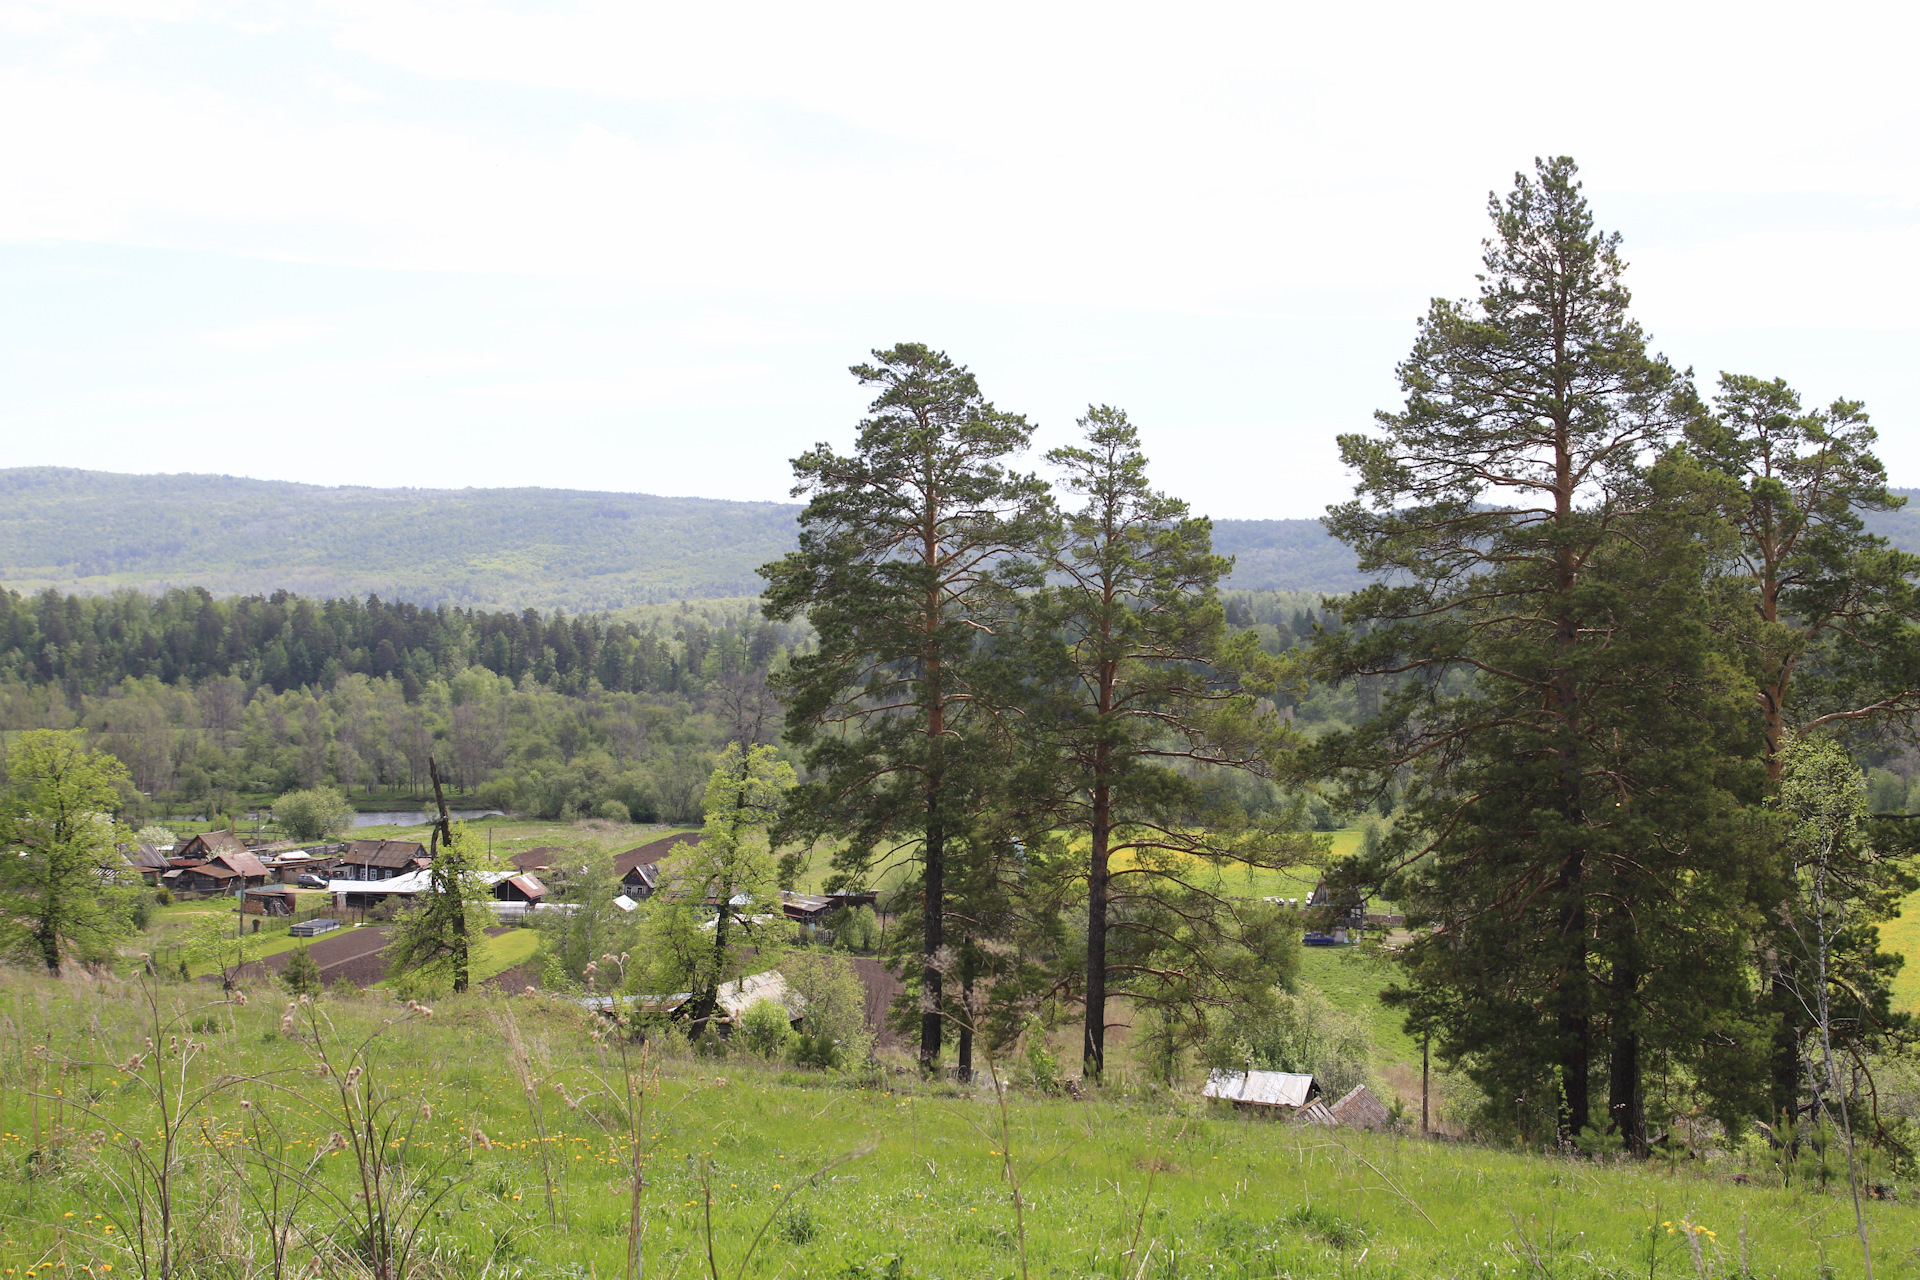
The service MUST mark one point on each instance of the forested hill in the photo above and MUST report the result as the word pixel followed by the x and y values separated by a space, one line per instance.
pixel 489 548
pixel 579 550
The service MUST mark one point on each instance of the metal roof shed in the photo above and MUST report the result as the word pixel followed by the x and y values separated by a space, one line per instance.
pixel 1260 1088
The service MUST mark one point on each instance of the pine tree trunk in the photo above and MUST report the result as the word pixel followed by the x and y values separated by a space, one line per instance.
pixel 1094 1051
pixel 933 912
pixel 1626 1098
pixel 964 1072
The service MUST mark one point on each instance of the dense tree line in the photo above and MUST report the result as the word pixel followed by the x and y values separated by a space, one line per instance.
pixel 86 644
pixel 181 689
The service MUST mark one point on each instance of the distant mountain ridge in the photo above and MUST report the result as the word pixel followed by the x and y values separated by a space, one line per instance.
pixel 574 549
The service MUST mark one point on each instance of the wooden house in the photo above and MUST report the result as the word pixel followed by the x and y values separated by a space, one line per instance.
pixel 225 873
pixel 208 844
pixel 526 889
pixel 147 862
pixel 639 869
pixel 380 859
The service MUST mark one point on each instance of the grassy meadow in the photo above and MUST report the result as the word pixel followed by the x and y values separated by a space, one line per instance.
pixel 492 1177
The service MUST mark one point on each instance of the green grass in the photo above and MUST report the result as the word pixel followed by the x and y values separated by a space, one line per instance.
pixel 1902 935
pixel 1208 1194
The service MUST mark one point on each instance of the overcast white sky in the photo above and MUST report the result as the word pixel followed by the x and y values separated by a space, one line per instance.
pixel 635 246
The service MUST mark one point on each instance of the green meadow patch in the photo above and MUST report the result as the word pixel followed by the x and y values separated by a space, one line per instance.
pixel 509 1152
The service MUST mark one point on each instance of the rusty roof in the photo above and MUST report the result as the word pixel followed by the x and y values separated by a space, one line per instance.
pixel 528 885
pixel 243 863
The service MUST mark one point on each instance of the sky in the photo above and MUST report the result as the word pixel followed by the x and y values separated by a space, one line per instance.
pixel 633 246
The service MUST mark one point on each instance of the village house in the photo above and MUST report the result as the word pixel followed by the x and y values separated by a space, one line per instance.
pixel 380 859
pixel 207 844
pixel 224 873
pixel 639 869
pixel 147 862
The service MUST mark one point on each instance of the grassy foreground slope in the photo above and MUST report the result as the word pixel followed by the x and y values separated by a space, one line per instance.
pixel 1142 1183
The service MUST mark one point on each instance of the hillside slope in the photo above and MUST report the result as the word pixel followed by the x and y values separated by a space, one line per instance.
pixel 575 549
pixel 501 548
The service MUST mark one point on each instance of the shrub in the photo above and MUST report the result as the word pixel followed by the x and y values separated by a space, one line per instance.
pixel 163 896
pixel 1302 1032
pixel 612 811
pixel 855 928
pixel 142 913
pixel 763 1029
pixel 1043 1070
pixel 157 836
pixel 819 1052
pixel 833 1008
pixel 302 974
pixel 313 815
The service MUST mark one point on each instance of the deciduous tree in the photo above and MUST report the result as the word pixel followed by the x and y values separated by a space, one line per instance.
pixel 59 865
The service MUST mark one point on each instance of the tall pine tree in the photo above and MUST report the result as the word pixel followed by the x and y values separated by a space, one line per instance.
pixel 1150 697
pixel 1487 506
pixel 911 547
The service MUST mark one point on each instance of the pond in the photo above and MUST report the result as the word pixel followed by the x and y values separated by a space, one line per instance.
pixel 419 817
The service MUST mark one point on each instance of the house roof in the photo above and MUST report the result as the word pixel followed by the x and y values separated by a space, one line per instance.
pixel 1359 1109
pixel 147 858
pixel 211 870
pixel 388 855
pixel 805 906
pixel 243 863
pixel 529 885
pixel 648 875
pixel 419 880
pixel 1262 1088
pixel 649 854
pixel 210 842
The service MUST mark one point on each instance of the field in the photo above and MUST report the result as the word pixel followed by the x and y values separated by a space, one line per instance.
pixel 507 1181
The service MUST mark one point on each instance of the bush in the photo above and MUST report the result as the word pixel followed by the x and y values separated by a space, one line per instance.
pixel 819 1052
pixel 1043 1070
pixel 142 913
pixel 302 974
pixel 763 1029
pixel 833 1009
pixel 313 815
pixel 157 836
pixel 163 896
pixel 855 928
pixel 1302 1032
pixel 612 811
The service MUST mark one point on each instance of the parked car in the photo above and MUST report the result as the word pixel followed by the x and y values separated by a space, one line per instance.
pixel 311 881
